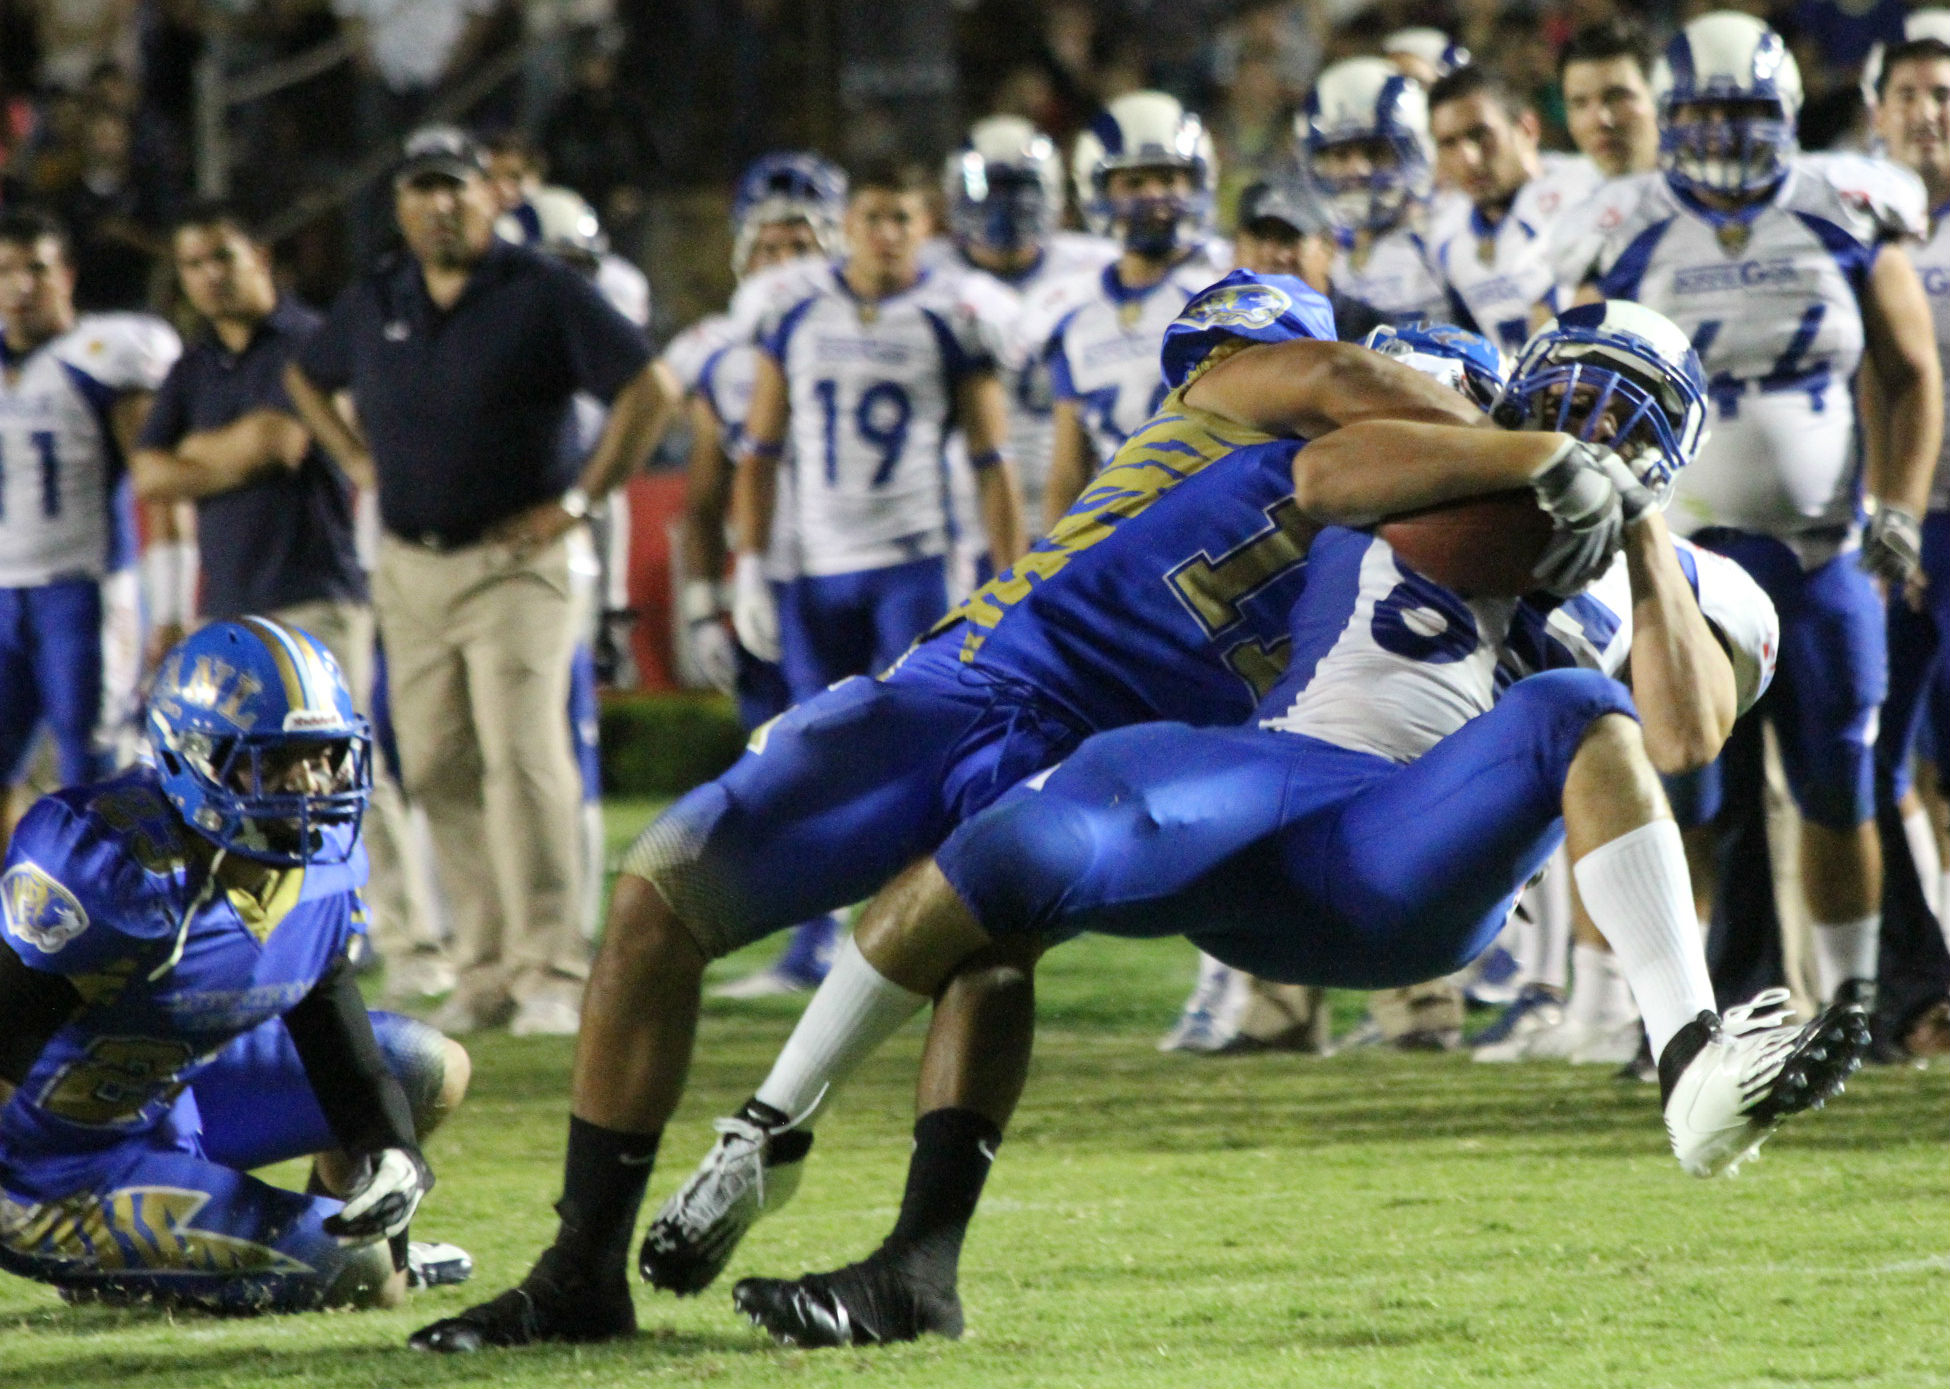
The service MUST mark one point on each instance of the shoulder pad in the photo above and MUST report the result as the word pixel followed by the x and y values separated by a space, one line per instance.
pixel 687 353
pixel 1888 198
pixel 765 296
pixel 90 872
pixel 1593 232
pixel 1565 183
pixel 1259 308
pixel 123 351
pixel 626 288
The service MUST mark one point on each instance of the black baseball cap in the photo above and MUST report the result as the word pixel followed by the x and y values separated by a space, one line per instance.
pixel 1288 204
pixel 445 150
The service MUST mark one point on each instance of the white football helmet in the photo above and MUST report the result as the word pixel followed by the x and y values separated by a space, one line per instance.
pixel 1917 24
pixel 1617 374
pixel 555 218
pixel 1146 130
pixel 1370 103
pixel 1431 45
pixel 1715 66
pixel 1005 185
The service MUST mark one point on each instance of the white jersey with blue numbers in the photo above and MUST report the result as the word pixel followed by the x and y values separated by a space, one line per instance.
pixel 1394 276
pixel 1932 260
pixel 65 508
pixel 872 386
pixel 1103 342
pixel 1774 310
pixel 1387 661
pixel 1495 274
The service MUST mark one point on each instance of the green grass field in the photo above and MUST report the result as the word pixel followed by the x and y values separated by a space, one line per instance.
pixel 1370 1220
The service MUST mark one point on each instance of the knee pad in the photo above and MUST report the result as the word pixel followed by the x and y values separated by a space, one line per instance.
pixel 416 1054
pixel 669 855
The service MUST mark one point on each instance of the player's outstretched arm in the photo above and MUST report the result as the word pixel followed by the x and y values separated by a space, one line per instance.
pixel 1306 389
pixel 1680 672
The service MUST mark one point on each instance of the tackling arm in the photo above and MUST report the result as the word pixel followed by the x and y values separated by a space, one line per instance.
pixel 1306 388
pixel 1365 471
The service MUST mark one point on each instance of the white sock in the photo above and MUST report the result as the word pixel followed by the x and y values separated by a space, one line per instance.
pixel 1552 903
pixel 1601 997
pixel 1639 897
pixel 850 1015
pixel 1921 835
pixel 1846 950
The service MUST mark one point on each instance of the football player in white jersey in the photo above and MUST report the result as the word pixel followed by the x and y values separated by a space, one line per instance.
pixel 1365 137
pixel 1911 114
pixel 73 392
pixel 1004 191
pixel 1145 173
pixel 787 208
pixel 1786 270
pixel 1492 258
pixel 867 365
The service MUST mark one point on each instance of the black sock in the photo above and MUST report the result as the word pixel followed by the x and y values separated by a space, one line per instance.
pixel 953 1150
pixel 603 1180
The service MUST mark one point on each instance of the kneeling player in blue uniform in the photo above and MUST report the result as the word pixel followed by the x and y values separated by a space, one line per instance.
pixel 1161 594
pixel 1421 758
pixel 176 1009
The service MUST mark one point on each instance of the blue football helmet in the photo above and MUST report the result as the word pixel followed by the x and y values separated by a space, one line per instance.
pixel 1146 130
pixel 1005 187
pixel 1729 93
pixel 1617 374
pixel 258 744
pixel 787 186
pixel 1367 103
pixel 1467 361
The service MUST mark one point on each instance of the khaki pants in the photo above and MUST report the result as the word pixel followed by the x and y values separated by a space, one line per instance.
pixel 477 657
pixel 401 916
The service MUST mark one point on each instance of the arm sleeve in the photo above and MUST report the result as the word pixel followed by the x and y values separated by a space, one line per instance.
pixel 33 1006
pixel 168 419
pixel 326 356
pixel 605 350
pixel 361 1099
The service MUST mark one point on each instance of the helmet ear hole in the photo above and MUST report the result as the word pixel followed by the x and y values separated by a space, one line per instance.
pixel 1507 414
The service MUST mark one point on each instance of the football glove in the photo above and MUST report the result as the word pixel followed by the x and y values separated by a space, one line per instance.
pixel 1892 546
pixel 711 644
pixel 1580 489
pixel 754 610
pixel 382 1205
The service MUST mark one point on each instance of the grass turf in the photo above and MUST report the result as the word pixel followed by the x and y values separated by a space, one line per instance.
pixel 1161 1220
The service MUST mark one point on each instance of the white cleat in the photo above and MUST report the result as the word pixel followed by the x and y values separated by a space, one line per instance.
pixel 751 1171
pixel 1728 1081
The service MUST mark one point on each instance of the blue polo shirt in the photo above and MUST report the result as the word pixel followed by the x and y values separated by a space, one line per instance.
pixel 282 540
pixel 467 410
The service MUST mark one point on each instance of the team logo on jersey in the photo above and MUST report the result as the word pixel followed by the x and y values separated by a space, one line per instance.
pixel 40 910
pixel 1733 236
pixel 1238 306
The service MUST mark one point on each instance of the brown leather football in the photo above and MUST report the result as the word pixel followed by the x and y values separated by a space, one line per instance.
pixel 1484 547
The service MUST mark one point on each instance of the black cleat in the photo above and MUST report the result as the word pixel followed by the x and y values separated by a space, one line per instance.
pixel 873 1302
pixel 555 1302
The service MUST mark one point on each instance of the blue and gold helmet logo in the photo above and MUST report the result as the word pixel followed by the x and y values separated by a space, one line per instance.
pixel 1248 306
pixel 39 910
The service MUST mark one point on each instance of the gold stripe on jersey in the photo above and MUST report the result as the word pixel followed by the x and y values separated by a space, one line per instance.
pixel 1173 445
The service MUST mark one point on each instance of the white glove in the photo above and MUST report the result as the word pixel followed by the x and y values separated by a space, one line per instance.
pixel 754 610
pixel 711 647
pixel 1892 546
pixel 384 1203
pixel 1580 489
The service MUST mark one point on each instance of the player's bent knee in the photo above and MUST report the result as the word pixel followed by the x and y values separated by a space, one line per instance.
pixel 1013 864
pixel 457 1072
pixel 673 880
pixel 367 1280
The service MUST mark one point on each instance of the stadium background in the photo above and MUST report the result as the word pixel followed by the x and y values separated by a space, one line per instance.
pixel 115 113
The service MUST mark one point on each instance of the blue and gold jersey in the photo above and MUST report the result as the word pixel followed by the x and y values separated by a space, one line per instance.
pixel 98 888
pixel 1163 592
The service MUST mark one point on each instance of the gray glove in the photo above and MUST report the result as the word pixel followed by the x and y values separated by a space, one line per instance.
pixel 1892 546
pixel 1580 489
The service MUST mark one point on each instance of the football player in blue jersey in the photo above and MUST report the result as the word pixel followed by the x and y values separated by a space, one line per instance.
pixel 176 1008
pixel 1161 594
pixel 1420 759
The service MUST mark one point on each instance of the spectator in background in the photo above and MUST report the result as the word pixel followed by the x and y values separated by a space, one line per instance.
pixel 1252 129
pixel 1614 122
pixel 118 211
pixel 273 515
pixel 462 357
pixel 77 35
pixel 597 139
pixel 406 51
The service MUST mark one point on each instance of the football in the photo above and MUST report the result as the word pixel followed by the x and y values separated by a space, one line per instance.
pixel 1484 547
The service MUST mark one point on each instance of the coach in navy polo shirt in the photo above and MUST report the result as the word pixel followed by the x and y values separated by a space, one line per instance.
pixel 462 357
pixel 273 516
